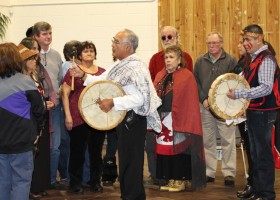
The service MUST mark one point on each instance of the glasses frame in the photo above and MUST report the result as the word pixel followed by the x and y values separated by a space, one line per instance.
pixel 35 57
pixel 164 37
pixel 213 43
pixel 116 41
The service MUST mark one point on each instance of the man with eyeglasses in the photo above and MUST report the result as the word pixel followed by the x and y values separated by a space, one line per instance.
pixel 207 68
pixel 140 100
pixel 262 111
pixel 169 36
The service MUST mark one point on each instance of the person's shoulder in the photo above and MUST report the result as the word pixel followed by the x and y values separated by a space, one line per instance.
pixel 55 53
pixel 101 69
pixel 66 64
pixel 202 57
pixel 24 81
pixel 185 71
pixel 157 55
pixel 186 54
pixel 231 57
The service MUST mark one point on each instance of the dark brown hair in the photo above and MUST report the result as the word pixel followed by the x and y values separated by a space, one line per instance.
pixel 85 45
pixel 11 61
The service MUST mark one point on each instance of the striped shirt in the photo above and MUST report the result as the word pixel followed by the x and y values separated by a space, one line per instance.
pixel 265 78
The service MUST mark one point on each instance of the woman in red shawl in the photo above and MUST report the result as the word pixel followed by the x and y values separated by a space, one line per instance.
pixel 179 148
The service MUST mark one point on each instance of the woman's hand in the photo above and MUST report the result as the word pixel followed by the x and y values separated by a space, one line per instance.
pixel 68 123
pixel 50 105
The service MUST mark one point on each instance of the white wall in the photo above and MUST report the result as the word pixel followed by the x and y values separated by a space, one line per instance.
pixel 94 20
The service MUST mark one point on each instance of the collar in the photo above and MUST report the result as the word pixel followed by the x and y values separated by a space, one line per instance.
pixel 212 59
pixel 254 55
pixel 43 52
pixel 132 55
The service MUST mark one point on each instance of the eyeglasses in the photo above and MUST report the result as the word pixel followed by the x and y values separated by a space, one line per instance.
pixel 213 43
pixel 164 37
pixel 116 41
pixel 35 57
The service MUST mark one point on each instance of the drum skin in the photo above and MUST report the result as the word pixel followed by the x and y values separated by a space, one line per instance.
pixel 220 104
pixel 90 110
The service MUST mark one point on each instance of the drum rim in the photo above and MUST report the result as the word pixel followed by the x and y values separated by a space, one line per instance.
pixel 211 97
pixel 123 112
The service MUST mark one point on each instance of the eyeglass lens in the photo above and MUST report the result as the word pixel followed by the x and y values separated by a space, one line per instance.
pixel 169 37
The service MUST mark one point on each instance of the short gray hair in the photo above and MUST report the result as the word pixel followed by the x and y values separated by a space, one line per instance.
pixel 175 31
pixel 216 33
pixel 131 38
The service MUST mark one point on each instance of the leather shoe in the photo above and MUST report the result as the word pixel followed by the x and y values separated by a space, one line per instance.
pixel 246 193
pixel 33 196
pixel 96 188
pixel 75 190
pixel 253 197
pixel 210 179
pixel 107 183
pixel 229 181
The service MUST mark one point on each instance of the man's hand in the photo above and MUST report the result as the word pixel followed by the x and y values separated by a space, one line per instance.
pixel 206 104
pixel 106 104
pixel 230 94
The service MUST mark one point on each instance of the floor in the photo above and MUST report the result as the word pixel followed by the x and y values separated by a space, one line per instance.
pixel 215 190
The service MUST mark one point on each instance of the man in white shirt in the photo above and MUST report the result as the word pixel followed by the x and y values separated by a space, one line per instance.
pixel 140 100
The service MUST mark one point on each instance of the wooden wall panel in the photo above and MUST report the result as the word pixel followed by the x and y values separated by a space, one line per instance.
pixel 195 19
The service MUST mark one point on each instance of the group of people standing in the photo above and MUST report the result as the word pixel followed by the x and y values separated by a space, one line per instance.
pixel 168 114
pixel 259 67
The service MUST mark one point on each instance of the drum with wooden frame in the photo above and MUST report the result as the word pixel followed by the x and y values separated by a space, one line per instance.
pixel 89 108
pixel 220 104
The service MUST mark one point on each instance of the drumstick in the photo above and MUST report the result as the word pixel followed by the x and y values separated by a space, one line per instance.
pixel 244 162
pixel 72 80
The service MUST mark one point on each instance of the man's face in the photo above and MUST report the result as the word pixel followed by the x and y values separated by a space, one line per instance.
pixel 168 38
pixel 214 44
pixel 44 38
pixel 119 46
pixel 251 44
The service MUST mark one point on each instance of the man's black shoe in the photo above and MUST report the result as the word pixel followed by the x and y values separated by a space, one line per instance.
pixel 229 181
pixel 107 183
pixel 58 186
pixel 75 190
pixel 253 197
pixel 246 193
pixel 210 179
pixel 96 188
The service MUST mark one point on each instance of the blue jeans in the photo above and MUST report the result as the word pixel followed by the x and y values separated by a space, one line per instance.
pixel 55 141
pixel 16 174
pixel 260 131
pixel 64 150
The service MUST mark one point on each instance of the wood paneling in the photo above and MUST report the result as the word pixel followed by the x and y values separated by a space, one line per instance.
pixel 195 19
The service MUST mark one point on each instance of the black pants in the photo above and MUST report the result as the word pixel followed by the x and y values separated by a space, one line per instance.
pixel 80 137
pixel 110 171
pixel 131 141
pixel 245 137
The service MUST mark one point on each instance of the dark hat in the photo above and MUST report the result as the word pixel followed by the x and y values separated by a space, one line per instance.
pixel 25 53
